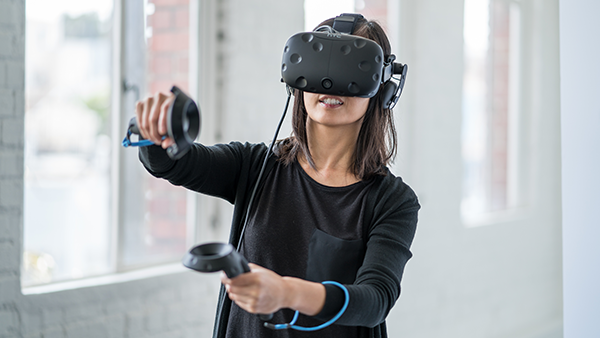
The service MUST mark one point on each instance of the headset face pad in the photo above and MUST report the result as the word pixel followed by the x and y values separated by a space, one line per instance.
pixel 333 63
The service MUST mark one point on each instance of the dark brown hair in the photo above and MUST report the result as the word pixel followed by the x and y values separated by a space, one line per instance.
pixel 376 143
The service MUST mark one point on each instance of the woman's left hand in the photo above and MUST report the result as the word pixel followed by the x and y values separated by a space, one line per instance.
pixel 258 291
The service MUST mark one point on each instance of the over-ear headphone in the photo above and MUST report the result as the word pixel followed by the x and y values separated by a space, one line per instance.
pixel 391 91
pixel 331 61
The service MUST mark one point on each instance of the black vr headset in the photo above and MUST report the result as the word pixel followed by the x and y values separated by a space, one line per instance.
pixel 331 61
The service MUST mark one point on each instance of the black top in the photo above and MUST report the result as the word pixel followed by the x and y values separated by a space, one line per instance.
pixel 303 229
pixel 389 215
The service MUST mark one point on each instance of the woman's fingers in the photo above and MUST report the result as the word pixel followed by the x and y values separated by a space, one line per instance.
pixel 240 290
pixel 247 301
pixel 153 117
pixel 139 113
pixel 164 113
pixel 143 120
pixel 167 142
pixel 151 114
pixel 259 291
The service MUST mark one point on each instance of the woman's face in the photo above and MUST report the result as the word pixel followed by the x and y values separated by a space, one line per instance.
pixel 333 111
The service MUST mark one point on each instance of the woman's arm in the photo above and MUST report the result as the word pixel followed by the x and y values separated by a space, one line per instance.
pixel 220 170
pixel 390 235
pixel 213 170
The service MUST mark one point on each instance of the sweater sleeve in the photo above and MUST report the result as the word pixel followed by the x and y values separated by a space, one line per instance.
pixel 212 170
pixel 377 285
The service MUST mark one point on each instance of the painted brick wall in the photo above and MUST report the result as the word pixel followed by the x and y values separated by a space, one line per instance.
pixel 168 61
pixel 169 45
pixel 12 52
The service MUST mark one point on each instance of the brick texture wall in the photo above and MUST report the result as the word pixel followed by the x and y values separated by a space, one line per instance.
pixel 12 53
pixel 499 101
pixel 168 54
pixel 168 64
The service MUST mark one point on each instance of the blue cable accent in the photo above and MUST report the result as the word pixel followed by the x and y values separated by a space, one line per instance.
pixel 291 325
pixel 143 143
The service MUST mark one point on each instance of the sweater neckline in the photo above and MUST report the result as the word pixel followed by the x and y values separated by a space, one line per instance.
pixel 304 174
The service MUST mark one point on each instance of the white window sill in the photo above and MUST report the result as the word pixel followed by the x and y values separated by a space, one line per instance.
pixel 106 280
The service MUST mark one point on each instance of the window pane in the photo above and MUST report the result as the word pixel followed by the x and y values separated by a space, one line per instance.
pixel 67 140
pixel 475 93
pixel 490 105
pixel 160 236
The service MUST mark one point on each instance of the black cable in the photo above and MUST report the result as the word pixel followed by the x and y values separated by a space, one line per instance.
pixel 262 169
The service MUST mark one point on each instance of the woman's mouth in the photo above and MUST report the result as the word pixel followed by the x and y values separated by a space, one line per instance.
pixel 331 101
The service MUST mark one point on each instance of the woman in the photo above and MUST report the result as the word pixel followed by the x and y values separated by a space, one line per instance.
pixel 328 209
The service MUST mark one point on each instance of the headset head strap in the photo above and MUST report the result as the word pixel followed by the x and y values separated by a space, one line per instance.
pixel 346 22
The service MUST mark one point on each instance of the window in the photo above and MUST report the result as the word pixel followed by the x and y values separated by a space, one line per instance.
pixel 490 126
pixel 85 213
pixel 154 224
pixel 67 140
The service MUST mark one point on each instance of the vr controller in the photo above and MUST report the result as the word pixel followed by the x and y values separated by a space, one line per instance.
pixel 183 125
pixel 213 257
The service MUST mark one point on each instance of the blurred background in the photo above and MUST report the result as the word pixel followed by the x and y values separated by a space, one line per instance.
pixel 479 135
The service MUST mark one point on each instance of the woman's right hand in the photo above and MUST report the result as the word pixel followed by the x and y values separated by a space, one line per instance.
pixel 151 114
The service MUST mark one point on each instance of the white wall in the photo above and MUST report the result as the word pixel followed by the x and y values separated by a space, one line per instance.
pixel 580 86
pixel 502 279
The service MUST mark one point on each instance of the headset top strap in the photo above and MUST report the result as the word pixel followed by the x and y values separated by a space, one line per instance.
pixel 345 23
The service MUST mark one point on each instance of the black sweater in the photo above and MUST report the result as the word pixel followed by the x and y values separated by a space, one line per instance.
pixel 230 172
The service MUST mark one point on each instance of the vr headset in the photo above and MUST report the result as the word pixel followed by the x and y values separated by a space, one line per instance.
pixel 331 61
